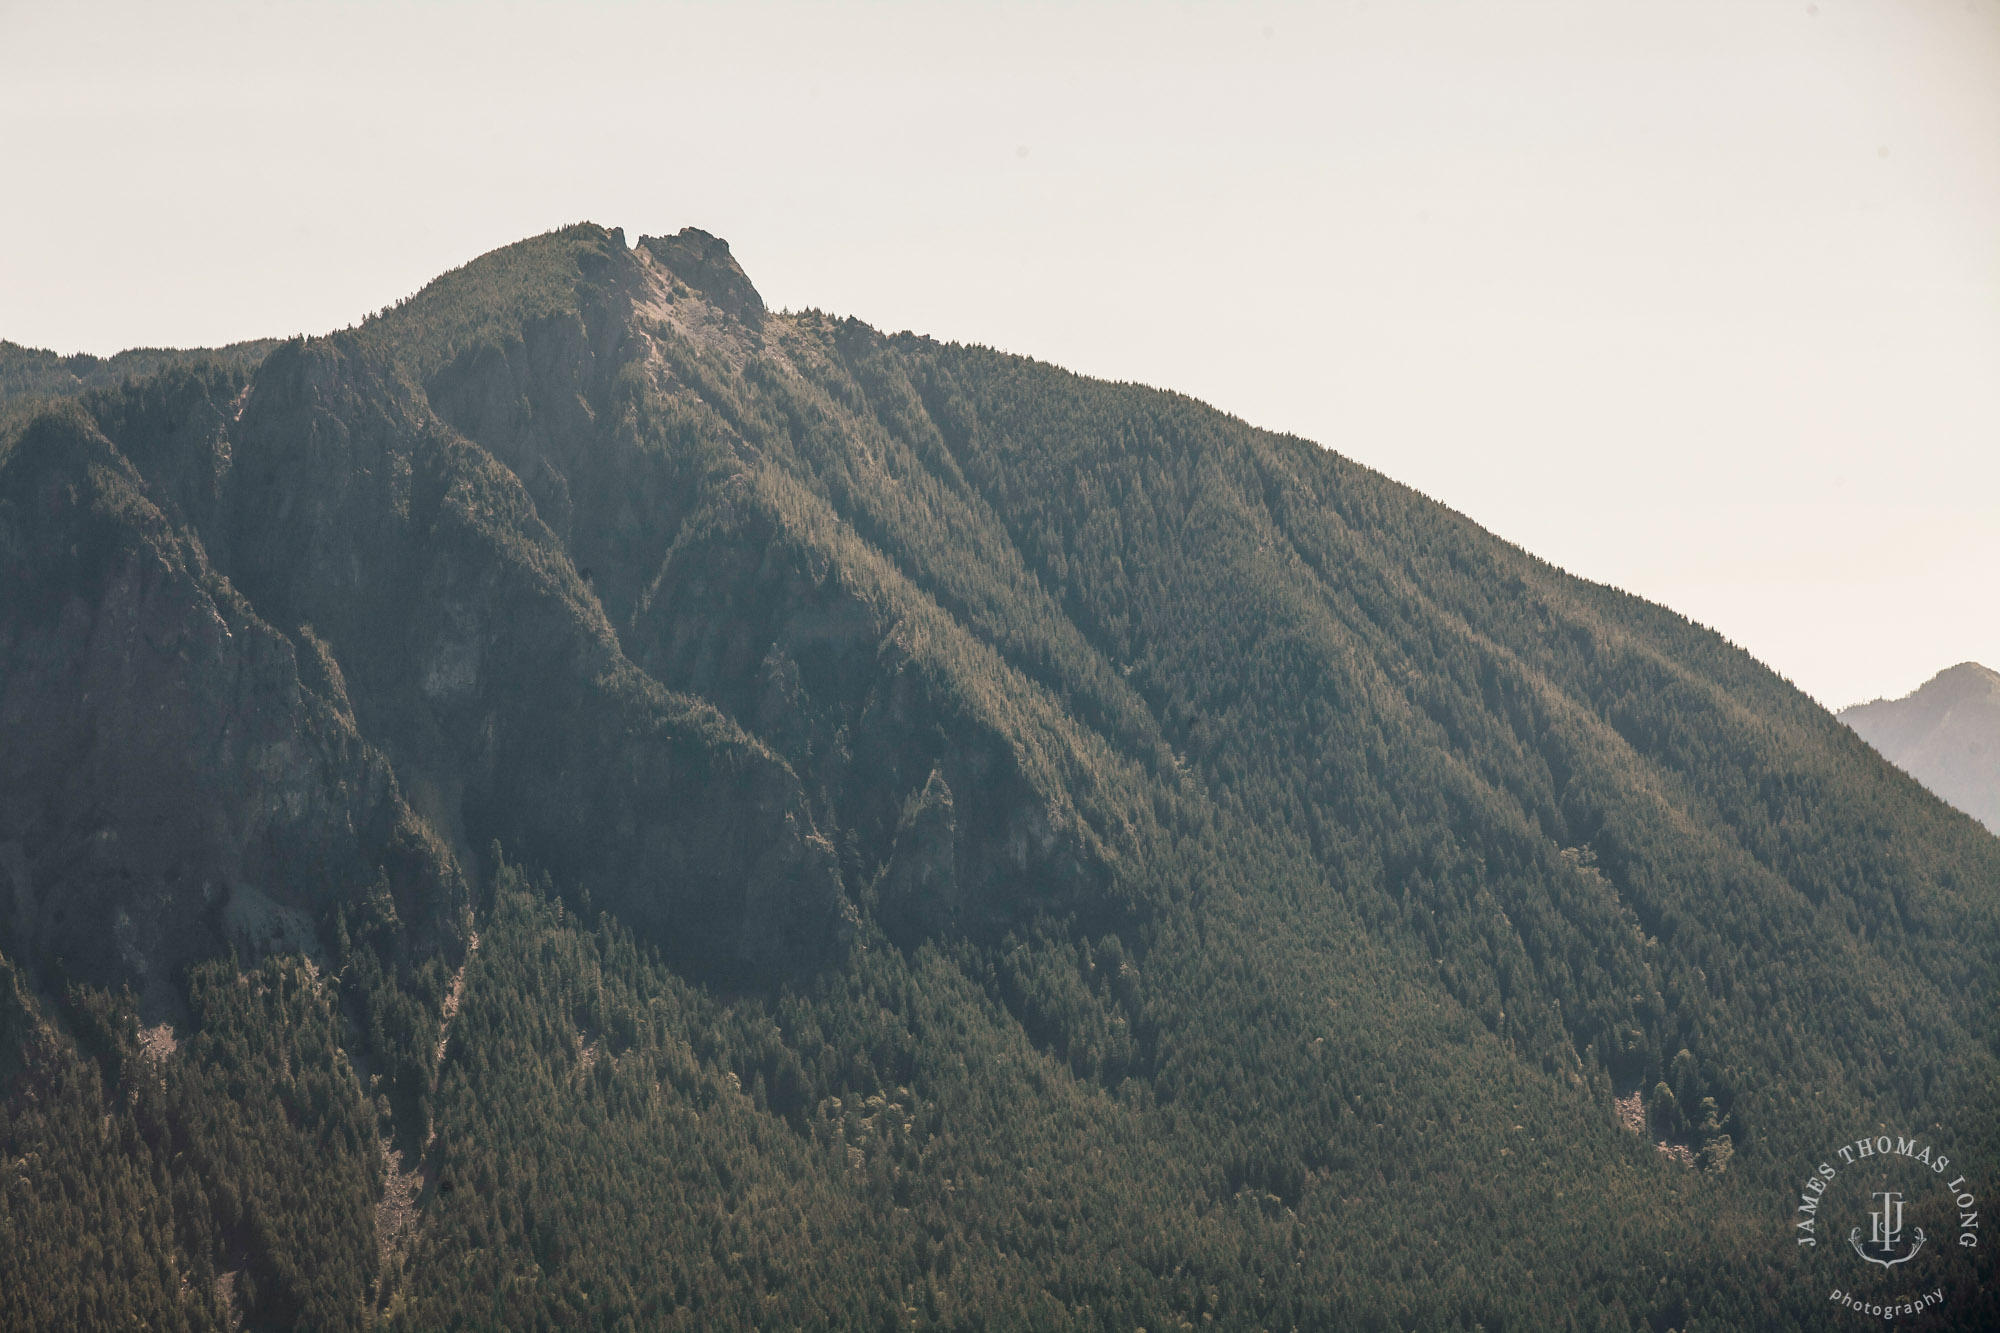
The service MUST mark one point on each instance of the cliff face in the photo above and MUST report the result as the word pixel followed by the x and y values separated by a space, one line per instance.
pixel 267 640
pixel 171 765
pixel 1946 735
pixel 493 568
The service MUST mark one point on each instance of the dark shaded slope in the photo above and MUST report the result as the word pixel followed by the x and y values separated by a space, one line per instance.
pixel 470 640
pixel 173 764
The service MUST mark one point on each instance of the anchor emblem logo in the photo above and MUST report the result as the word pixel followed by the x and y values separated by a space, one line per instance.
pixel 1885 1231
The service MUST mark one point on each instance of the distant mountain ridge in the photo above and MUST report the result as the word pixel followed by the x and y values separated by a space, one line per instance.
pixel 28 371
pixel 1946 734
pixel 584 801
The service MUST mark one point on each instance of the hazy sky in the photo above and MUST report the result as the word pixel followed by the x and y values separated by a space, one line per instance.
pixel 1702 300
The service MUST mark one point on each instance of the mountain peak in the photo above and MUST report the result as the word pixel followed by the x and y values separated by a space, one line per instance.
pixel 1967 679
pixel 703 262
pixel 1946 734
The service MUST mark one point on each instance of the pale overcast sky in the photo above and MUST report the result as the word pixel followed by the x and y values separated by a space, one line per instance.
pixel 1697 299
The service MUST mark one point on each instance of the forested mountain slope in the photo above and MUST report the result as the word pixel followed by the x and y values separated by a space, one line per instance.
pixel 1946 735
pixel 585 801
pixel 30 376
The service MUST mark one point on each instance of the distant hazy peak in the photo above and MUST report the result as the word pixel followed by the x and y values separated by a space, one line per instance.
pixel 1967 680
pixel 704 263
pixel 1946 735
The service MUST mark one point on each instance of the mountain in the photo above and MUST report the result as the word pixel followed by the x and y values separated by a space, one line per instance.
pixel 586 801
pixel 1946 735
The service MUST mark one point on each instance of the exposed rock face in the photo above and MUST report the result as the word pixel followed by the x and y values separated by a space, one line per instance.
pixel 161 753
pixel 1946 735
pixel 704 263
pixel 471 643
pixel 920 888
pixel 506 566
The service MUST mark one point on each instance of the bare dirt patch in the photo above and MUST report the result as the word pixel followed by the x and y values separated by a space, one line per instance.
pixel 455 996
pixel 225 1292
pixel 157 1043
pixel 1632 1115
pixel 399 1210
pixel 396 1211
